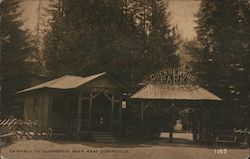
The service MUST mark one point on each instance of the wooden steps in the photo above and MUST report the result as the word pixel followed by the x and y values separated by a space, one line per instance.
pixel 104 137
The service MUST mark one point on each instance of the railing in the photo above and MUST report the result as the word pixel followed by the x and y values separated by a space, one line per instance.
pixel 74 123
pixel 58 122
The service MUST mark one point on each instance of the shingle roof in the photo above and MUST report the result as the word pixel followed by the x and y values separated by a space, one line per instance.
pixel 165 91
pixel 64 82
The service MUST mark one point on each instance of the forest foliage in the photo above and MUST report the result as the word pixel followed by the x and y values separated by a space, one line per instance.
pixel 127 39
pixel 221 56
pixel 16 46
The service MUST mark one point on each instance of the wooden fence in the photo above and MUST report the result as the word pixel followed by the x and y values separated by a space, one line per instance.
pixel 18 128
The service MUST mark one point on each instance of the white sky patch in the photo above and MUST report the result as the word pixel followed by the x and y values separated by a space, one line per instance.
pixel 183 15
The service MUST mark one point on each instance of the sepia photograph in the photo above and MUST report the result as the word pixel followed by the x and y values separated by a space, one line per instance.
pixel 125 79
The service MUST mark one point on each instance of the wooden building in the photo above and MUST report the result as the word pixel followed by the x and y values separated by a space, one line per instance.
pixel 75 104
pixel 171 86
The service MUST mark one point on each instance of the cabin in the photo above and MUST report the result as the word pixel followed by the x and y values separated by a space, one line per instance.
pixel 75 104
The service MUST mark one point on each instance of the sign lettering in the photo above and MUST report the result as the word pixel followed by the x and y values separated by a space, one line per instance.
pixel 171 77
pixel 102 90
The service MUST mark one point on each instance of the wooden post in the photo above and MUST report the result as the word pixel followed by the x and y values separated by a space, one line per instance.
pixel 142 113
pixel 170 138
pixel 79 112
pixel 112 112
pixel 90 111
pixel 120 112
pixel 66 112
pixel 50 111
pixel 194 131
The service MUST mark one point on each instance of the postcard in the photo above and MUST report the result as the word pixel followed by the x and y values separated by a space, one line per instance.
pixel 121 79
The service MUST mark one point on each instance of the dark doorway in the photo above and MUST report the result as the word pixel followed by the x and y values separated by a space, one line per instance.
pixel 101 114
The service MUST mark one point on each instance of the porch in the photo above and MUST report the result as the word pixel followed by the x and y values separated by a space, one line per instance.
pixel 85 112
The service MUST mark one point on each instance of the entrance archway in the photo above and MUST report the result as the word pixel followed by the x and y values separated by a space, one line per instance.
pixel 171 86
pixel 101 113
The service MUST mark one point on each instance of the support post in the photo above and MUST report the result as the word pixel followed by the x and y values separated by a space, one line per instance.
pixel 66 111
pixel 90 111
pixel 112 111
pixel 170 138
pixel 79 112
pixel 50 111
pixel 142 113
pixel 120 112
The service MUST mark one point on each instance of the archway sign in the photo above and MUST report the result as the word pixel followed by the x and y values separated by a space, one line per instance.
pixel 171 77
pixel 172 85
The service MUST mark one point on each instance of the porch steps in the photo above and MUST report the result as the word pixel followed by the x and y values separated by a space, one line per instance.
pixel 104 137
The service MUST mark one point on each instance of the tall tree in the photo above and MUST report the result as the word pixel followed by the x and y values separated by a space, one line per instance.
pixel 160 39
pixel 15 49
pixel 223 31
pixel 163 38
pixel 93 36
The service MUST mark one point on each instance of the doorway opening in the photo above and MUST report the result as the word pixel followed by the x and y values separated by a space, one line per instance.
pixel 101 114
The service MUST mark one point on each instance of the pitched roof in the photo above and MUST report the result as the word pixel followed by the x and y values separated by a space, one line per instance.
pixel 64 82
pixel 164 91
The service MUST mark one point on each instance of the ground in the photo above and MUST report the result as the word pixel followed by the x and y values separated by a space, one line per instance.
pixel 157 149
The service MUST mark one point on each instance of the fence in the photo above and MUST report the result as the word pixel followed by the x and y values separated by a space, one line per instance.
pixel 18 128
